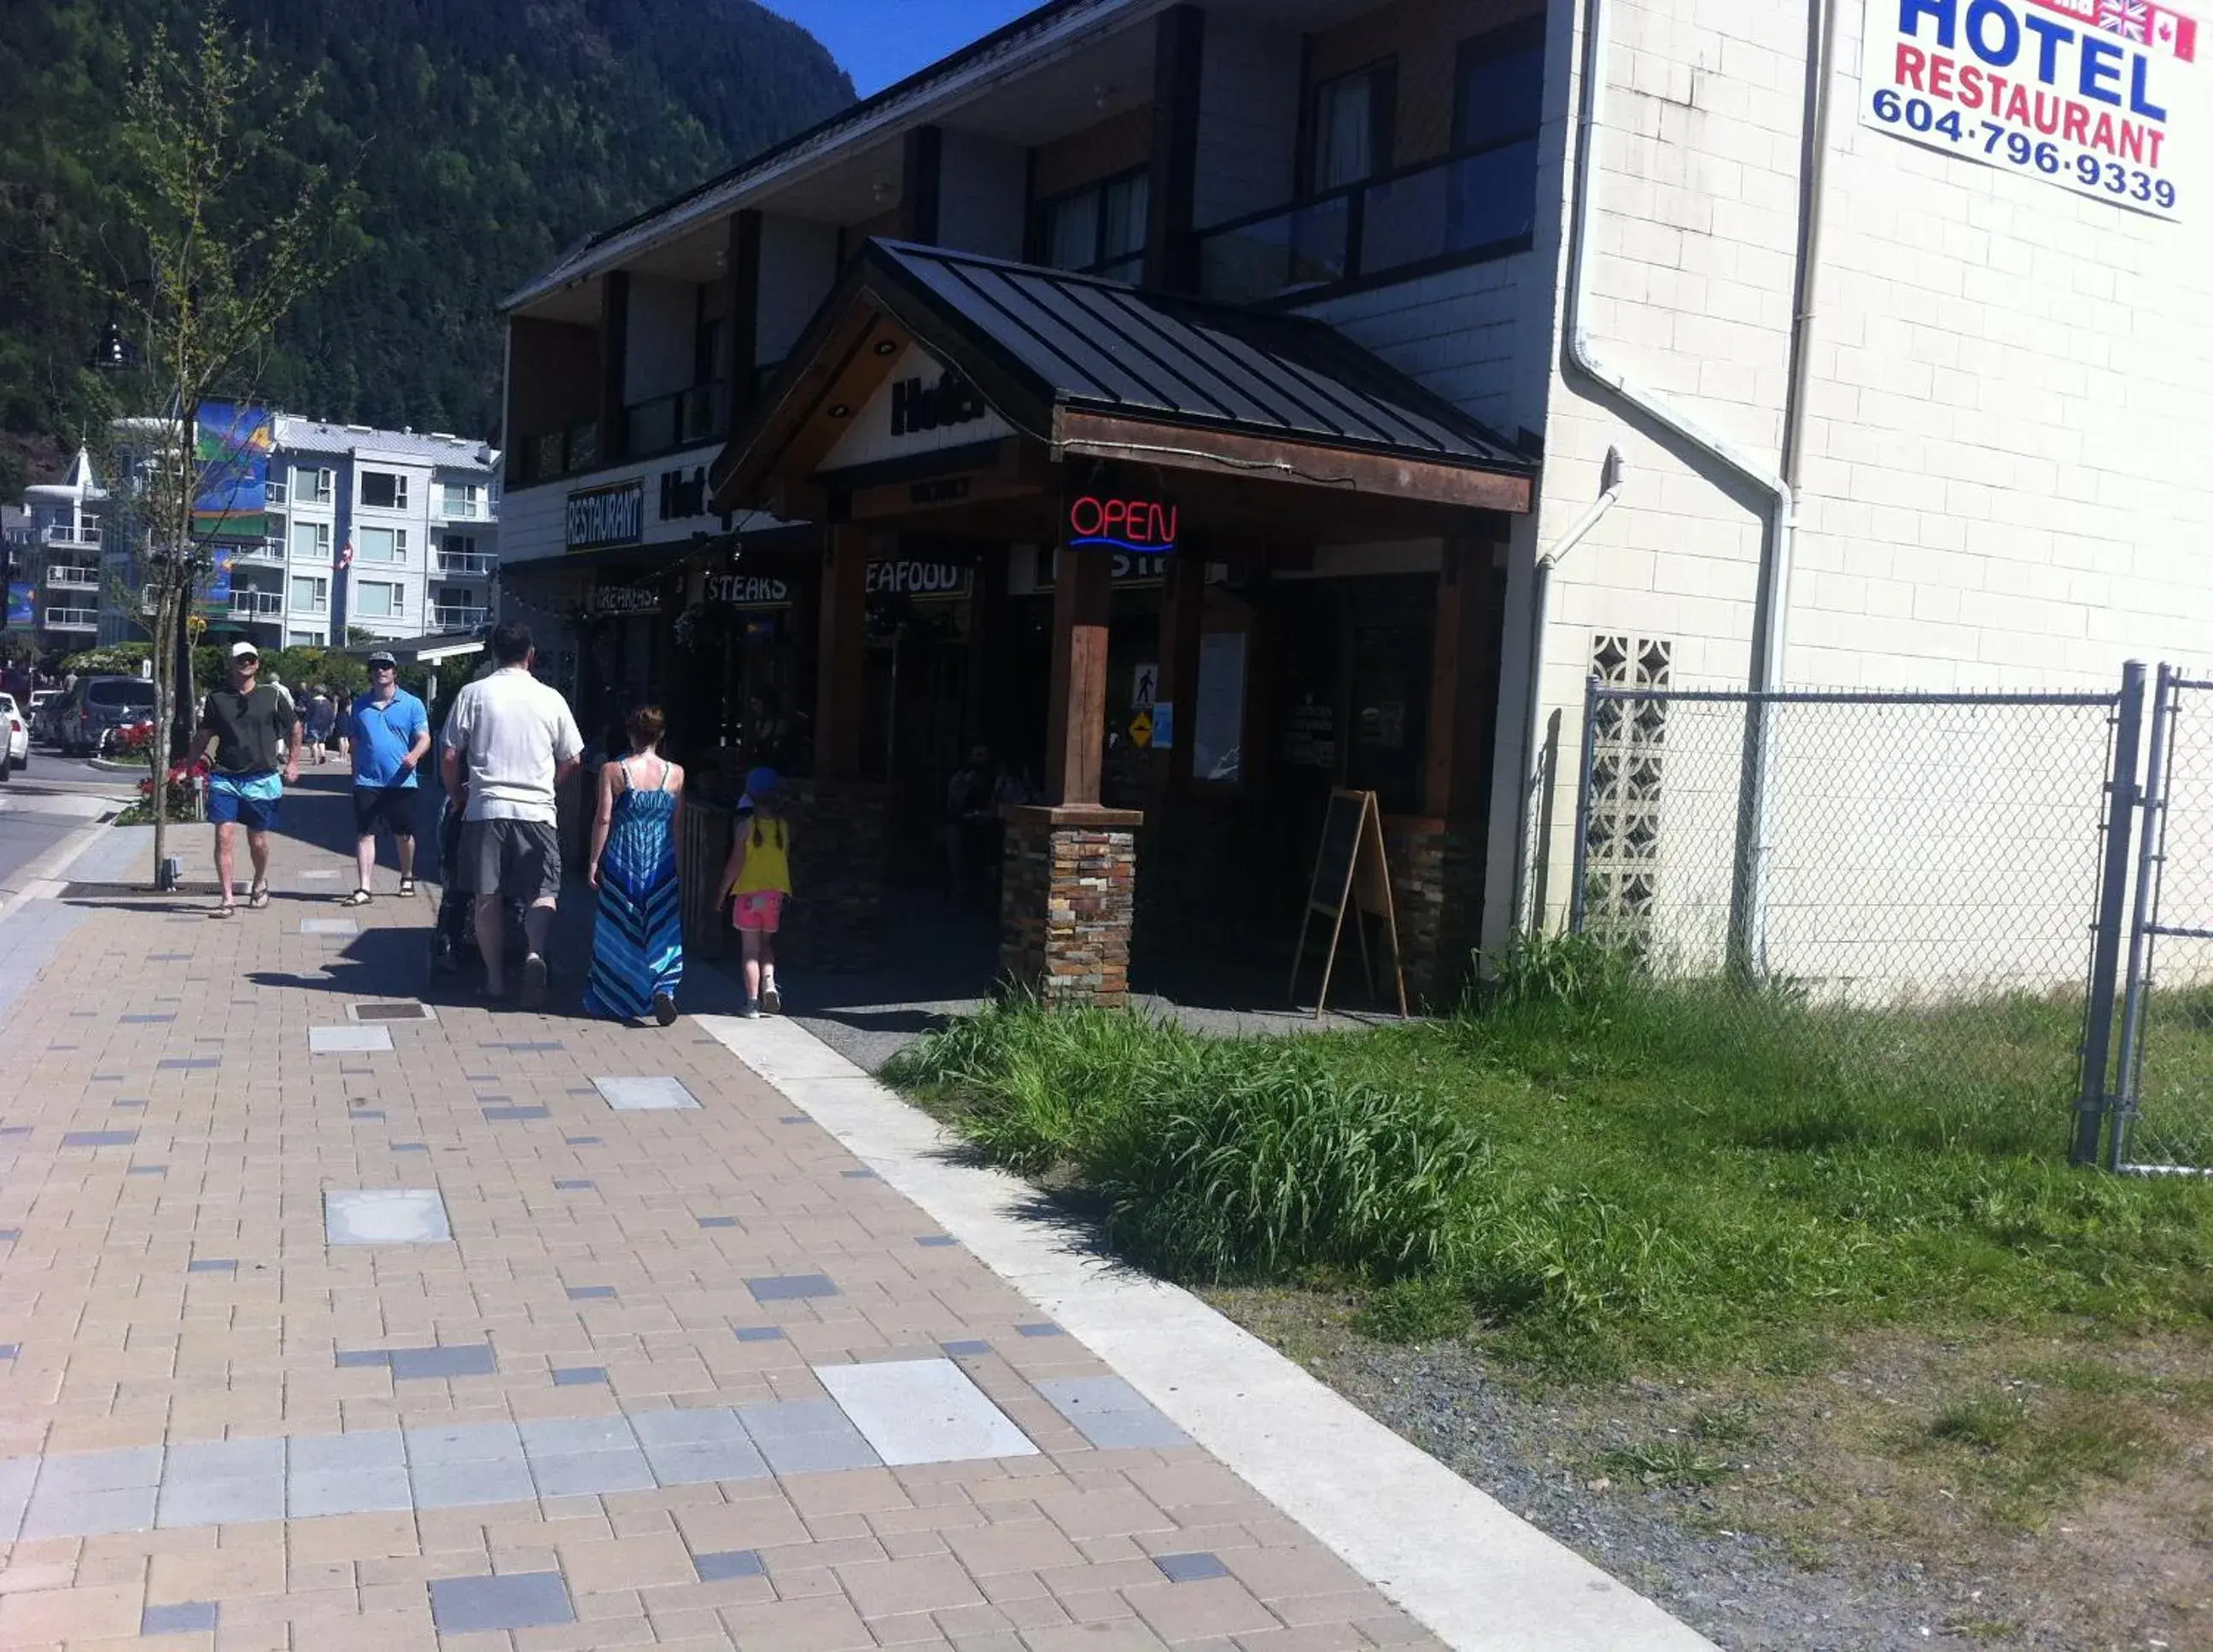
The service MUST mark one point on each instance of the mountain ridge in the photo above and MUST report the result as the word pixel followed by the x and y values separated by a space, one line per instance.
pixel 485 137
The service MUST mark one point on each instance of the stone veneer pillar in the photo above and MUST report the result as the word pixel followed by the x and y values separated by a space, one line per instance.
pixel 1437 886
pixel 1067 898
pixel 840 857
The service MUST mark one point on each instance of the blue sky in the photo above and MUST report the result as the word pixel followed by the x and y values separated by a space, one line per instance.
pixel 879 41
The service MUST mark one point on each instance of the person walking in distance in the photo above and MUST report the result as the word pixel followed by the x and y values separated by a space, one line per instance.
pixel 321 717
pixel 759 878
pixel 637 945
pixel 512 741
pixel 255 730
pixel 388 731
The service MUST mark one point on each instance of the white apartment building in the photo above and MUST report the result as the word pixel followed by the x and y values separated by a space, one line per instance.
pixel 390 532
pixel 1896 311
pixel 55 589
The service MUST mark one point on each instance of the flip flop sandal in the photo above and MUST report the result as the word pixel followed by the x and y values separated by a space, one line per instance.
pixel 257 897
pixel 359 898
pixel 406 886
pixel 226 910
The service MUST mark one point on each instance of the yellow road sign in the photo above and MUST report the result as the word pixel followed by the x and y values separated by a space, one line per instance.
pixel 1141 730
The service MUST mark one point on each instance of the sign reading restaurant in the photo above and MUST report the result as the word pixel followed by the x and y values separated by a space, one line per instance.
pixel 2082 94
pixel 614 514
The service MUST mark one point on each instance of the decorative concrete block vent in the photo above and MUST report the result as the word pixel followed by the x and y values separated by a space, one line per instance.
pixel 1068 902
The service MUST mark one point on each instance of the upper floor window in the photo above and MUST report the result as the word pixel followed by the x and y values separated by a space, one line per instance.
pixel 1099 229
pixel 1351 126
pixel 383 544
pixel 1499 93
pixel 308 482
pixel 1498 106
pixel 376 600
pixel 384 490
pixel 462 499
pixel 311 541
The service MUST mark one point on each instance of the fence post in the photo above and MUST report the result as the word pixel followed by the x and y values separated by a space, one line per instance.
pixel 2150 852
pixel 1746 951
pixel 2105 955
pixel 1579 894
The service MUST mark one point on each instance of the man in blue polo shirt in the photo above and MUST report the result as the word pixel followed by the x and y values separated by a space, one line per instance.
pixel 389 732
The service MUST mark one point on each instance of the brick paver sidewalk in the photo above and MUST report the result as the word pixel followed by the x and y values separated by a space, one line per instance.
pixel 682 1374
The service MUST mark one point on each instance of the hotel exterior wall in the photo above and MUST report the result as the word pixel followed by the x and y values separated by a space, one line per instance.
pixel 2007 383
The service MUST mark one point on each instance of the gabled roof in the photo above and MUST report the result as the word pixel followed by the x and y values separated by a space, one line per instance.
pixel 1047 348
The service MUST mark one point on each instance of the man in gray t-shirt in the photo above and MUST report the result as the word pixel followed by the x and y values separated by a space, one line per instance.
pixel 511 741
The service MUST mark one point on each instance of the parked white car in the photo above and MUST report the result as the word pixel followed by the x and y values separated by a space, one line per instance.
pixel 19 733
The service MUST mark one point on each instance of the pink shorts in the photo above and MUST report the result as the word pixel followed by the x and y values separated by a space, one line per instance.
pixel 759 911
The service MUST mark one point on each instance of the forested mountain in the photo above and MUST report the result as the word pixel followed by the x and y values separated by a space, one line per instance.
pixel 484 135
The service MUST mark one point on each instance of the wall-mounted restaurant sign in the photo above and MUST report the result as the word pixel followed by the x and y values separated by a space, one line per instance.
pixel 912 576
pixel 748 590
pixel 624 600
pixel 614 514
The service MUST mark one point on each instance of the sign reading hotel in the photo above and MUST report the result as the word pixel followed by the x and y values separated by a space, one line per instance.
pixel 2083 93
pixel 607 515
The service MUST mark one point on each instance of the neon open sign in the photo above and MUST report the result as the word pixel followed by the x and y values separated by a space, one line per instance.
pixel 1145 526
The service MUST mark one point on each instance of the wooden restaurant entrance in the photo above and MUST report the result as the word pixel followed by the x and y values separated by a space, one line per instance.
pixel 1182 568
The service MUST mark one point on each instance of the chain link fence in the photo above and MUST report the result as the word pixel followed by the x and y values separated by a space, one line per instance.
pixel 1920 874
pixel 2163 1118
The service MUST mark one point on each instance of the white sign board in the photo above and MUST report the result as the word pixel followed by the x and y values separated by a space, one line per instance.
pixel 2084 94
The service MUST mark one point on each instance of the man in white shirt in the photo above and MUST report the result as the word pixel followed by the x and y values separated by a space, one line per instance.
pixel 511 741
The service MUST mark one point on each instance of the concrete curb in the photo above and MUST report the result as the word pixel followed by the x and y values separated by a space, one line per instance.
pixel 1474 1573
pixel 41 878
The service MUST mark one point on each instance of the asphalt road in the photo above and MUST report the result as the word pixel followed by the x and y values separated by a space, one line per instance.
pixel 41 805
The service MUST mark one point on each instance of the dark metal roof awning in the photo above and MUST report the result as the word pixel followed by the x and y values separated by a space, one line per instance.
pixel 429 650
pixel 1093 367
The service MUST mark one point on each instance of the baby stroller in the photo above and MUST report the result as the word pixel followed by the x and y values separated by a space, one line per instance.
pixel 453 936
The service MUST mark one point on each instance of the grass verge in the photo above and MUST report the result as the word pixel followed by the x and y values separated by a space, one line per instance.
pixel 1603 1173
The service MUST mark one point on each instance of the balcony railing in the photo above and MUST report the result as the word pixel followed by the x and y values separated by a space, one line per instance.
pixel 683 419
pixel 1476 204
pixel 72 579
pixel 73 620
pixel 86 533
pixel 443 620
pixel 270 553
pixel 467 564
pixel 250 605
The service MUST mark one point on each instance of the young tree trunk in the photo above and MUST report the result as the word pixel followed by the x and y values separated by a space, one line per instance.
pixel 157 748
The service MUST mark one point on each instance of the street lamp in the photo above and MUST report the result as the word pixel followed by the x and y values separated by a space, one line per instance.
pixel 114 353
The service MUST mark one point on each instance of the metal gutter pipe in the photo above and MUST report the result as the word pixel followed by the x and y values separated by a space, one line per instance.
pixel 1610 484
pixel 1771 600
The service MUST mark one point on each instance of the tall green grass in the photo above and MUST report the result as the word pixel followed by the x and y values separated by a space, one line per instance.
pixel 1606 1171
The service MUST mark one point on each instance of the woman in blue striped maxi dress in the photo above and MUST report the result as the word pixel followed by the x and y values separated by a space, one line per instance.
pixel 637 945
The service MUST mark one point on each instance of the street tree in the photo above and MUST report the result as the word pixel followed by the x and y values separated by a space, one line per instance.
pixel 220 231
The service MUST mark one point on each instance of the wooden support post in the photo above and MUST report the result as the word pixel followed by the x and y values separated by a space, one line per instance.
pixel 1463 687
pixel 614 362
pixel 922 166
pixel 1076 732
pixel 841 653
pixel 1178 36
pixel 742 297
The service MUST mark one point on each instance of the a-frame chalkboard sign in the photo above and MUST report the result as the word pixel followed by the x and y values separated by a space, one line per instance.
pixel 1350 875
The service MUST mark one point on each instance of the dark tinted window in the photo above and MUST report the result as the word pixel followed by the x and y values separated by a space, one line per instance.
pixel 123 692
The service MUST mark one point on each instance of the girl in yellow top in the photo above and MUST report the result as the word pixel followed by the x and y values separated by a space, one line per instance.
pixel 757 878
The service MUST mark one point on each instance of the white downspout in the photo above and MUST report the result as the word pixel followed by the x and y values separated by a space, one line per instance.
pixel 1772 605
